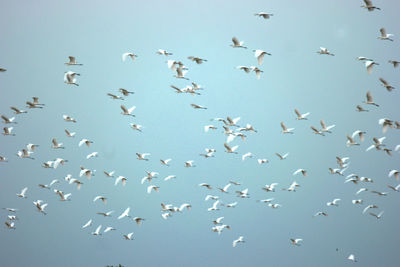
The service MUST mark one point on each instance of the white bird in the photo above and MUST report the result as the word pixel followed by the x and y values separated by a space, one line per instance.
pixel 24 154
pixel 385 84
pixel 363 59
pixel 360 134
pixel 97 232
pixel 296 242
pixel 263 15
pixel 259 54
pixel 370 7
pixel 128 236
pixel 138 220
pixel 127 111
pixel 77 182
pixel 142 156
pixel 63 197
pixel 370 100
pixel 8 120
pixel 316 131
pixel 230 149
pixel 205 185
pixel 169 177
pixel 128 54
pixel 72 62
pixel 69 134
pixel 334 202
pixel 183 206
pixel 180 74
pixel 274 206
pixel 384 35
pixel 88 224
pixel 231 205
pixel 268 200
pixel 302 171
pixel 163 52
pixel 394 173
pixel 301 116
pixel 125 214
pixel 218 220
pixel 208 197
pixel 361 190
pixel 386 123
pixel 377 216
pixel 197 59
pixel 49 185
pixel 319 213
pixel 10 225
pixel 121 179
pixel 7 131
pixel 68 119
pixel 247 155
pixel 351 142
pixel 23 192
pixel 86 142
pixel 189 164
pixel 109 174
pixel 369 207
pixel 165 215
pixel 324 51
pixel 88 173
pixel 165 161
pixel 40 206
pixel 56 145
pixel 243 193
pixel 70 77
pixel 236 43
pixel 225 189
pixel 109 228
pixel 105 214
pixel 351 257
pixel 369 65
pixel 326 129
pixel 282 157
pixel 115 97
pixel 152 187
pixel 18 111
pixel 239 240
pixel 357 201
pixel 102 198
pixel 92 155
pixel 269 188
pixel 208 127
pixel 214 206
pixel 397 188
pixel 195 106
pixel 262 161
pixel 286 130
pixel 257 71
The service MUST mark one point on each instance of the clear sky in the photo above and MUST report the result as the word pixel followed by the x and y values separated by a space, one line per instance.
pixel 38 36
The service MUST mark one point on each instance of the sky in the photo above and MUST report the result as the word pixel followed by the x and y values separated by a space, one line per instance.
pixel 38 37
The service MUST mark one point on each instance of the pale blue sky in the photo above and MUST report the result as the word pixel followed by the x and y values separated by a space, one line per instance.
pixel 37 37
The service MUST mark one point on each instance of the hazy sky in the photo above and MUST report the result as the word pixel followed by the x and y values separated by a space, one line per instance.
pixel 38 36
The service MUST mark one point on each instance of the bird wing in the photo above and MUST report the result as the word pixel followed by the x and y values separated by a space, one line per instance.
pixel 383 81
pixel 369 97
pixel 235 41
pixel 124 109
pixel 383 32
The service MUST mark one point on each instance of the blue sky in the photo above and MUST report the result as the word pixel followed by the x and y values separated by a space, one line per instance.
pixel 38 37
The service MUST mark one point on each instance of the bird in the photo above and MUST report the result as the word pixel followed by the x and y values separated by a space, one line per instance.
pixel 152 187
pixel 274 205
pixel 262 161
pixel 205 185
pixel 8 120
pixel 326 129
pixel 229 149
pixel 121 179
pixel 127 112
pixel 3 70
pixel 239 240
pixel 97 232
pixel 183 206
pixel 386 123
pixel 63 197
pixel 334 202
pixel 301 116
pixel 395 63
pixel 247 155
pixel 88 224
pixel 197 59
pixel 369 6
pixel 225 188
pixel 25 154
pixel 369 64
pixel 324 51
pixel 316 131
pixel 214 206
pixel 218 220
pixel 351 257
pixel 169 177
pixel 70 78
pixel 142 156
pixel 259 54
pixel 208 127
pixel 243 193
pixel 286 130
pixel 105 214
pixel 377 216
pixel 163 52
pixel 128 236
pixel 370 100
pixel 180 74
pixel 136 127
pixel 57 145
pixel 257 71
pixel 263 15
pixel 379 193
pixel 244 68
pixel 108 229
pixel 189 164
pixel 10 225
pixel 128 54
pixel 369 207
pixel 236 43
pixel 360 134
pixel 384 35
pixel 8 131
pixel 138 220
pixel 195 106
pixel 282 157
pixel 72 62
pixel 385 84
pixel 86 142
pixel 23 193
pixel 68 119
pixel 269 188
pixel 208 197
pixel 394 173
pixel 357 201
pixel 18 111
pixel 319 213
pixel 69 134
pixel 40 206
pixel 397 188
pixel 45 186
pixel 363 59
pixel 115 97
pixel 296 242
pixel 361 109
pixel 165 162
pixel 302 171
pixel 92 155
pixel 125 213
pixel 377 143
pixel 125 92
pixel 88 173
pixel 102 198
pixel 231 205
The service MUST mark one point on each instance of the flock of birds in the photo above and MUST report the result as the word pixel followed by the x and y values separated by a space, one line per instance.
pixel 231 129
